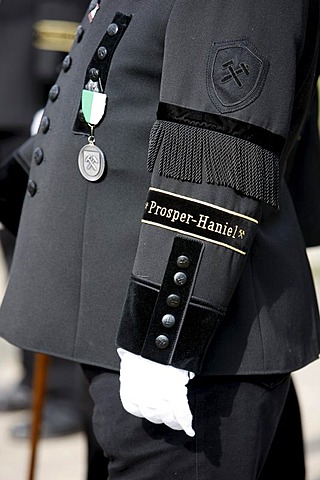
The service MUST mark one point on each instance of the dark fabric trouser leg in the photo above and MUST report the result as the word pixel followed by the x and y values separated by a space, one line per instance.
pixel 286 455
pixel 235 419
pixel 97 463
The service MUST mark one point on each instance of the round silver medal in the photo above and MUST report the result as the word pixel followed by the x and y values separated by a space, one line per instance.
pixel 91 162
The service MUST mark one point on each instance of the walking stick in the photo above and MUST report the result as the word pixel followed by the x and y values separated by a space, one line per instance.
pixel 41 362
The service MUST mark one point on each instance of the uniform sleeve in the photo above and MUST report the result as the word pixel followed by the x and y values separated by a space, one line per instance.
pixel 228 86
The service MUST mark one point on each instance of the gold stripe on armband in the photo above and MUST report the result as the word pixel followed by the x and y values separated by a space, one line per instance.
pixel 199 219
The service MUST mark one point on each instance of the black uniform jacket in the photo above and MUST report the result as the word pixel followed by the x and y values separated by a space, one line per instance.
pixel 188 250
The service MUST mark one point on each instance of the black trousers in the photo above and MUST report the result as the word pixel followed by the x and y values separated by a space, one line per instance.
pixel 247 428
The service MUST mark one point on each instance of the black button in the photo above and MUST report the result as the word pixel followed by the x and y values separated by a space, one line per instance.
pixel 94 74
pixel 173 300
pixel 66 64
pixel 81 116
pixel 38 155
pixel 112 29
pixel 183 261
pixel 54 92
pixel 44 124
pixel 168 321
pixel 102 53
pixel 162 342
pixel 79 33
pixel 180 278
pixel 32 188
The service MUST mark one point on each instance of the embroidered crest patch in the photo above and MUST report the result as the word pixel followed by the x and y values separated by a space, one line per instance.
pixel 236 74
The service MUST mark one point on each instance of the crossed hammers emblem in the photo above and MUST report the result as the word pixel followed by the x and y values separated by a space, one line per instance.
pixel 92 161
pixel 234 73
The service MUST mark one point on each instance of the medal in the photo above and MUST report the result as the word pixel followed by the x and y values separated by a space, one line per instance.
pixel 91 160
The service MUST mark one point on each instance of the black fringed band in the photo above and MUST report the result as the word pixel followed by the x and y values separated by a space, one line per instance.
pixel 222 124
pixel 186 150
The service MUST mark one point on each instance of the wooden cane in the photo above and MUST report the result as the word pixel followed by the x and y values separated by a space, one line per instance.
pixel 41 363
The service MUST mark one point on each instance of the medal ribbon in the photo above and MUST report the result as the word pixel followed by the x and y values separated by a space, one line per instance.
pixel 93 106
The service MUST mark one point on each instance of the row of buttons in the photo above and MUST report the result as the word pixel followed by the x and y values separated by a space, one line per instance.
pixel 102 53
pixel 54 92
pixel 45 121
pixel 67 61
pixel 38 154
pixel 173 301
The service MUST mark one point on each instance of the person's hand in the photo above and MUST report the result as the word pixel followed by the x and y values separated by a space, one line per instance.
pixel 155 392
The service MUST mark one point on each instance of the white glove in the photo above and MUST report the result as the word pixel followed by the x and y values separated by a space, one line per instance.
pixel 154 391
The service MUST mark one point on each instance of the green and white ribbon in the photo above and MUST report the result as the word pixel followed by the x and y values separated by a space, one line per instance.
pixel 93 106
